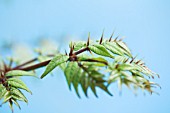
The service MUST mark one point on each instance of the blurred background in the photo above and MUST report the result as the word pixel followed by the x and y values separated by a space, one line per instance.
pixel 26 24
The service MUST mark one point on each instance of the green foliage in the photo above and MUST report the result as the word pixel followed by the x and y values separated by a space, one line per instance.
pixel 111 56
pixel 19 73
pixel 11 88
pixel 56 61
pixel 108 61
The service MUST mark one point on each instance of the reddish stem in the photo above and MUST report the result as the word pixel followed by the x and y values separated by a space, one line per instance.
pixel 42 64
pixel 39 65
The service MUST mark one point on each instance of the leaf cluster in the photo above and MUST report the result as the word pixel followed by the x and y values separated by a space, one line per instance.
pixel 108 61
pixel 89 65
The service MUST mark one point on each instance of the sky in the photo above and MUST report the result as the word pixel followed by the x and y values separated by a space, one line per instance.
pixel 144 23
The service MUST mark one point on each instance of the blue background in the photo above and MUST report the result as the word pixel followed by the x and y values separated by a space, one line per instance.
pixel 145 23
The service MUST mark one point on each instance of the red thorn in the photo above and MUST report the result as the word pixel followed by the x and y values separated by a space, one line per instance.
pixel 65 52
pixel 71 50
pixel 126 60
pixel 132 59
pixel 117 66
pixel 101 39
pixel 88 40
pixel 116 38
pixel 138 61
pixel 110 39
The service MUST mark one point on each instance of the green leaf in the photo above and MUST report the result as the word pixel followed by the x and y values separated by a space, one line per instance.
pixel 85 83
pixel 18 93
pixel 2 91
pixel 97 61
pixel 7 96
pixel 11 106
pixel 16 97
pixel 16 103
pixel 17 83
pixel 126 67
pixel 63 66
pixel 120 59
pixel 92 59
pixel 70 71
pixel 79 45
pixel 56 61
pixel 76 80
pixel 100 50
pixel 113 76
pixel 123 45
pixel 93 88
pixel 19 73
pixel 103 87
pixel 113 47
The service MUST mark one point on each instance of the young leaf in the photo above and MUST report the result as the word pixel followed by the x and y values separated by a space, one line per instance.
pixel 17 83
pixel 100 50
pixel 19 73
pixel 56 61
pixel 123 45
pixel 113 47
pixel 71 71
pixel 18 93
pixel 16 103
pixel 98 60
pixel 76 80
pixel 2 91
pixel 7 96
pixel 84 83
pixel 103 87
pixel 93 88
pixel 126 67
pixel 79 45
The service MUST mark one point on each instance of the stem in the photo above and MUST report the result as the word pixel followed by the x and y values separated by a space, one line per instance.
pixel 81 51
pixel 28 62
pixel 36 66
pixel 42 64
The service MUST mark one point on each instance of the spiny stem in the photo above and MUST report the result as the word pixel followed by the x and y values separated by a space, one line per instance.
pixel 42 64
pixel 81 51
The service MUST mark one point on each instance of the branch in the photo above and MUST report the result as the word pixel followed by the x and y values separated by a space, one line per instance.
pixel 81 51
pixel 36 66
pixel 28 62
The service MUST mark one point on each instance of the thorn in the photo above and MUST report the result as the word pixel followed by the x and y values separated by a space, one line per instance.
pixel 110 39
pixel 121 39
pixel 73 47
pixel 142 64
pixel 65 52
pixel 126 60
pixel 152 77
pixel 138 61
pixel 117 66
pixel 5 66
pixel 71 50
pixel 88 40
pixel 101 39
pixel 116 38
pixel 133 59
pixel 90 51
pixel 10 63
